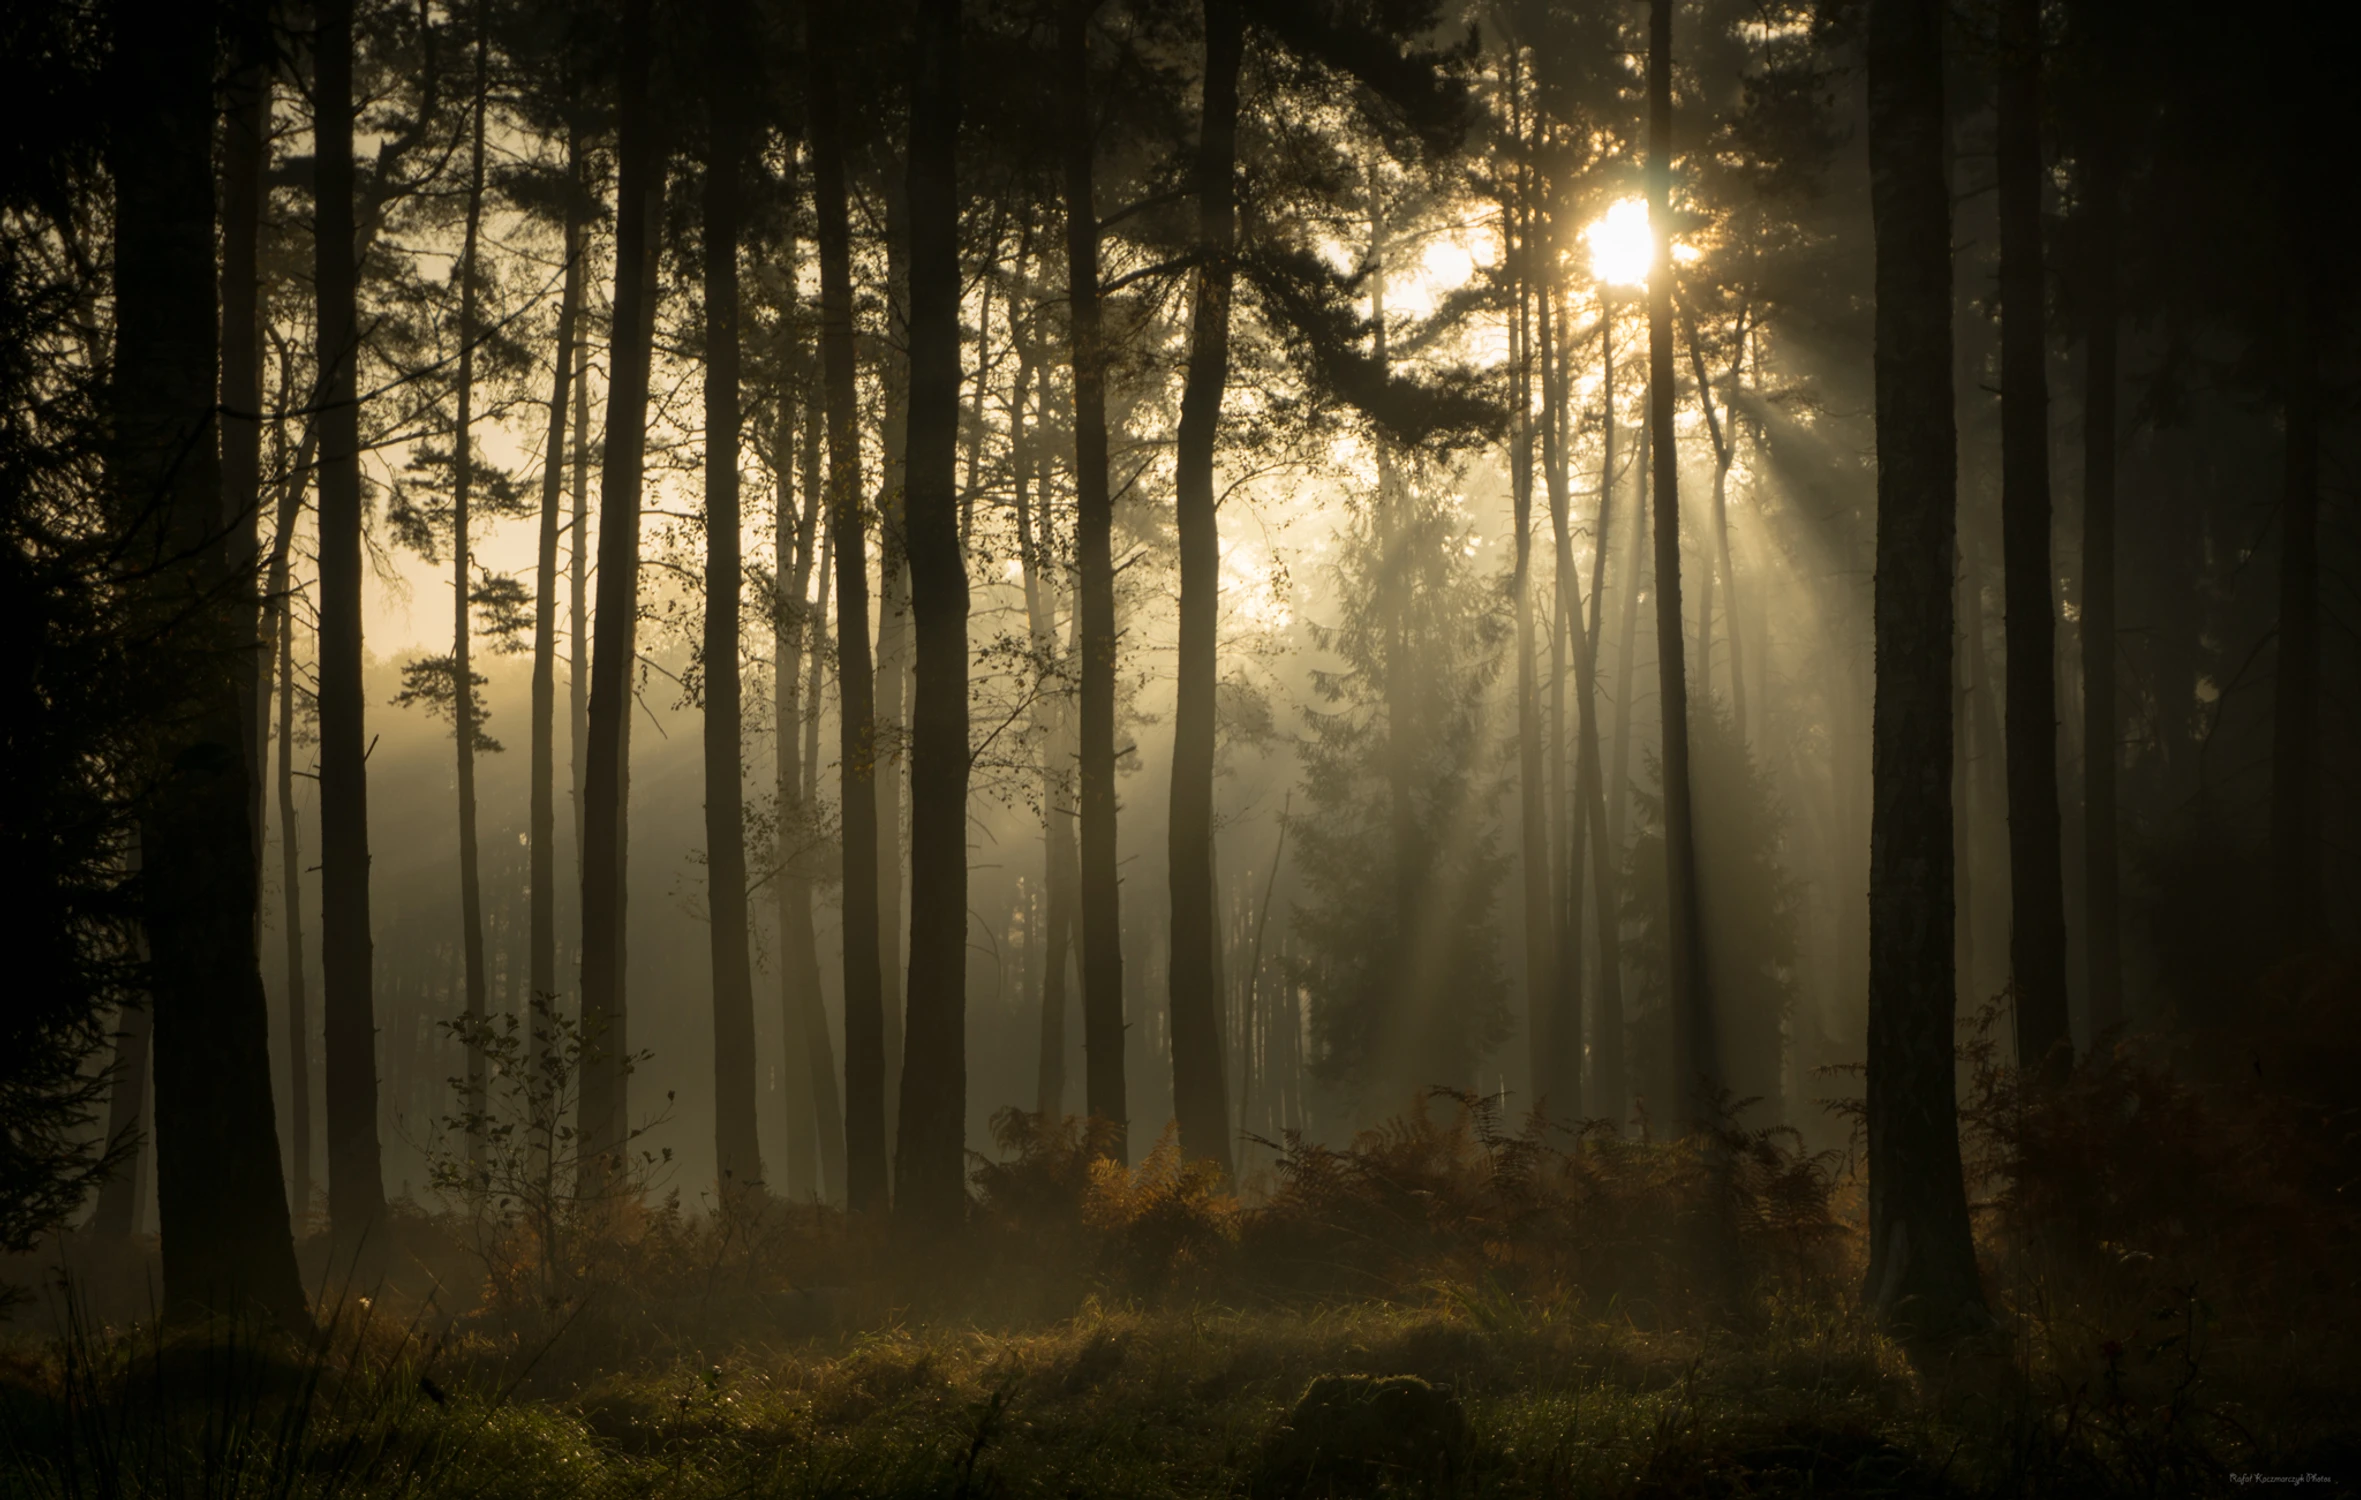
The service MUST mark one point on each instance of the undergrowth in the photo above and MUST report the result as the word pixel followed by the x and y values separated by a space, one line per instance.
pixel 2170 1259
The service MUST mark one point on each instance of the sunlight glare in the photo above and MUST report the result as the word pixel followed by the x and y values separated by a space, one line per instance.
pixel 1620 245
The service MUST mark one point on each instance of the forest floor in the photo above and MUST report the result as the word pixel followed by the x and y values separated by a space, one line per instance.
pixel 1185 1401
pixel 1441 1307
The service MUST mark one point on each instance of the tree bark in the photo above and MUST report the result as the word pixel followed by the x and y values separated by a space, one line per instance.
pixel 736 1142
pixel 1605 1095
pixel 221 1198
pixel 1533 787
pixel 893 632
pixel 356 1181
pixel 117 1214
pixel 2101 732
pixel 1197 1089
pixel 1692 1008
pixel 1560 1041
pixel 930 1160
pixel 541 836
pixel 245 160
pixel 464 718
pixel 2037 893
pixel 1094 516
pixel 639 193
pixel 1922 1269
pixel 299 1057
pixel 864 996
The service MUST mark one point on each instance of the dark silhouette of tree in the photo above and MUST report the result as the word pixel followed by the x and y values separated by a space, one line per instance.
pixel 1922 1266
pixel 864 998
pixel 729 96
pixel 639 193
pixel 930 1159
pixel 1691 1001
pixel 1094 519
pixel 220 1197
pixel 2037 910
pixel 356 1181
pixel 1199 1099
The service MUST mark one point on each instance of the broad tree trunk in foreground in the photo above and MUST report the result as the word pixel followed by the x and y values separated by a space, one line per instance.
pixel 356 1179
pixel 220 1195
pixel 638 193
pixel 1198 1097
pixel 864 1013
pixel 737 1152
pixel 1693 1052
pixel 2037 891
pixel 1922 1266
pixel 930 1161
pixel 1094 520
pixel 117 1214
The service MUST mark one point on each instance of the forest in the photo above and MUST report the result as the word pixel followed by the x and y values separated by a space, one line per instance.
pixel 1265 748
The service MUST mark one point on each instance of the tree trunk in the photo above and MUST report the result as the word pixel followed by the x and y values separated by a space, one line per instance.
pixel 864 996
pixel 1055 938
pixel 1094 514
pixel 541 836
pixel 1922 1269
pixel 356 1181
pixel 220 1195
pixel 463 711
pixel 1605 1097
pixel 737 1151
pixel 1560 1041
pixel 2037 893
pixel 299 1056
pixel 639 191
pixel 1693 1052
pixel 245 161
pixel 1197 1091
pixel 1532 785
pixel 930 1160
pixel 893 635
pixel 2101 734
pixel 117 1214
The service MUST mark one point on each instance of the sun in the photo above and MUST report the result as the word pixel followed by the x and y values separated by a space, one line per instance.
pixel 1621 246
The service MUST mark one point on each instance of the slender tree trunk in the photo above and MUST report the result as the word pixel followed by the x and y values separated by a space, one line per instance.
pixel 1922 1268
pixel 1561 1040
pixel 245 160
pixel 578 594
pixel 1626 641
pixel 893 633
pixel 1049 726
pixel 1533 786
pixel 299 1054
pixel 1197 1090
pixel 1721 428
pixel 639 194
pixel 930 1161
pixel 542 835
pixel 356 1181
pixel 1693 1051
pixel 737 1151
pixel 2037 895
pixel 1094 514
pixel 864 995
pixel 464 717
pixel 2101 734
pixel 1605 1097
pixel 220 1195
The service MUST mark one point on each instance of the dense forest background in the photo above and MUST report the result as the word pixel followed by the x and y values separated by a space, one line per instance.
pixel 708 597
